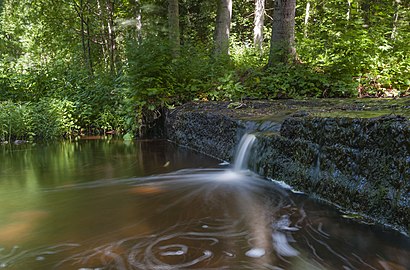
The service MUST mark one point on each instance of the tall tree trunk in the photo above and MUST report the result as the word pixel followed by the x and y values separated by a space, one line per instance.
pixel 103 34
pixel 90 60
pixel 138 21
pixel 111 35
pixel 395 19
pixel 80 13
pixel 85 34
pixel 258 25
pixel 282 45
pixel 223 27
pixel 307 15
pixel 173 27
pixel 349 3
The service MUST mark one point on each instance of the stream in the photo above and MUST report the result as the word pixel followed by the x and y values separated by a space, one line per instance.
pixel 110 204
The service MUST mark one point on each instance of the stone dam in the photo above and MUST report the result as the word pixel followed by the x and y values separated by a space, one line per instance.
pixel 354 154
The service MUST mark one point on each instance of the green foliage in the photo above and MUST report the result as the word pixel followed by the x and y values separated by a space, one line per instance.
pixel 364 42
pixel 155 79
pixel 149 73
pixel 83 99
pixel 229 88
pixel 67 68
pixel 109 120
pixel 14 121
pixel 294 81
pixel 52 118
pixel 244 56
pixel 46 119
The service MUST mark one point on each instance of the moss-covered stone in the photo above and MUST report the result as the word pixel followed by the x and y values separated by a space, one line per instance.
pixel 389 134
pixel 361 164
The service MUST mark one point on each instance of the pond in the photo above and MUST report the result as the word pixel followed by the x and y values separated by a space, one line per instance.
pixel 109 204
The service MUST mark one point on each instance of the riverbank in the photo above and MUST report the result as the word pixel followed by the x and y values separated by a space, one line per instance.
pixel 352 153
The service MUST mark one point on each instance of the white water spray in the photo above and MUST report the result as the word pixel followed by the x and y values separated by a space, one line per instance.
pixel 240 160
pixel 242 154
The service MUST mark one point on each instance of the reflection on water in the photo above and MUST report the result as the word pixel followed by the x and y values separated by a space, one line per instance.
pixel 109 205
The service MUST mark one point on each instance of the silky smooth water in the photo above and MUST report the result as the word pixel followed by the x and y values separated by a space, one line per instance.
pixel 97 204
pixel 242 153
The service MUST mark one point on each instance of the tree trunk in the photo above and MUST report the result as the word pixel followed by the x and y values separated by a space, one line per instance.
pixel 282 45
pixel 103 34
pixel 138 21
pixel 395 19
pixel 85 34
pixel 82 29
pixel 173 27
pixel 90 60
pixel 349 4
pixel 258 25
pixel 307 15
pixel 223 27
pixel 112 44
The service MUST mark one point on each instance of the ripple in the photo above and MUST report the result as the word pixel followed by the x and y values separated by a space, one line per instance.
pixel 173 248
pixel 202 221
pixel 18 255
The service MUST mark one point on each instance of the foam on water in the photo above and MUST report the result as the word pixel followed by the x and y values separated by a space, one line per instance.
pixel 240 160
pixel 228 175
pixel 255 252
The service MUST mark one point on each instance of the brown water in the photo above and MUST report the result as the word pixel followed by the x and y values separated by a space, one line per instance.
pixel 151 205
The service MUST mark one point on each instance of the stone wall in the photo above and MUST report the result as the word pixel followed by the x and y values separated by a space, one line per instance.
pixel 359 164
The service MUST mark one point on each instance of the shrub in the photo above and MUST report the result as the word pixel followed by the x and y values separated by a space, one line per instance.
pixel 52 118
pixel 14 121
pixel 298 80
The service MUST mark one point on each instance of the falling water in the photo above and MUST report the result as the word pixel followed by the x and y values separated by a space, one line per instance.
pixel 242 154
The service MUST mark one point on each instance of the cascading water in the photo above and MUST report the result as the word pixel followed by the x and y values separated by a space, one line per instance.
pixel 242 154
pixel 240 160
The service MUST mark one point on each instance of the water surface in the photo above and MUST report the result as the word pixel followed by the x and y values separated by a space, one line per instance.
pixel 97 204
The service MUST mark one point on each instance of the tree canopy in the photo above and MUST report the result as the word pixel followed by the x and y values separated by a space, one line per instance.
pixel 109 64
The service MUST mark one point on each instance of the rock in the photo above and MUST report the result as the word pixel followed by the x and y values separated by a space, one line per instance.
pixel 360 163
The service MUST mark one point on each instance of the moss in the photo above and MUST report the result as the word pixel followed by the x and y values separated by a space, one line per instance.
pixel 350 152
pixel 279 116
pixel 361 114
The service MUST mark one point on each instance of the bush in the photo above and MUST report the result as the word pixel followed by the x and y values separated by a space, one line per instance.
pixel 294 81
pixel 47 119
pixel 154 79
pixel 14 121
pixel 52 118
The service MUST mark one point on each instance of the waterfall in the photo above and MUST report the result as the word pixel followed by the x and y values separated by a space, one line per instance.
pixel 242 153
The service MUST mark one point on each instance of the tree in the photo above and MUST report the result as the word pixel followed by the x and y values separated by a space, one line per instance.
pixel 282 45
pixel 81 9
pixel 138 21
pixel 173 27
pixel 258 24
pixel 306 21
pixel 223 27
pixel 110 38
pixel 395 19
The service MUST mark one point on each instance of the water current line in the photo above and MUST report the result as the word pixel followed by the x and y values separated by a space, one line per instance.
pixel 242 154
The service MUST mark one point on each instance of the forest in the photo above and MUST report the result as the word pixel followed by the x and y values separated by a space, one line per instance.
pixel 72 67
